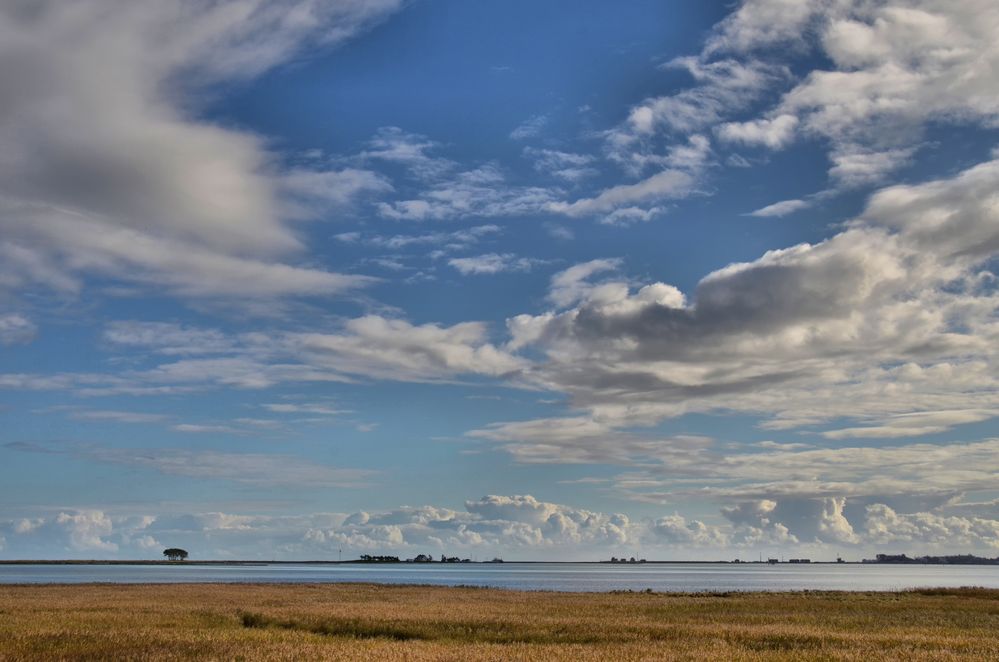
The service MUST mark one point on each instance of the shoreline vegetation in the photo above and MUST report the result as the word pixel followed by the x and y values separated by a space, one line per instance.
pixel 953 559
pixel 365 621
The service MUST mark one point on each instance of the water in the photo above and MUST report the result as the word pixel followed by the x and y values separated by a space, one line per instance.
pixel 536 576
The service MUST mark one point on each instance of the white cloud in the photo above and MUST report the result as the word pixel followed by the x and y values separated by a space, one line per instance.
pixel 314 191
pixel 669 184
pixel 482 192
pixel 896 67
pixel 196 428
pixel 885 526
pixel 759 23
pixel 772 133
pixel 723 86
pixel 85 530
pixel 411 150
pixel 107 169
pixel 445 241
pixel 569 166
pixel 571 285
pixel 856 166
pixel 530 127
pixel 913 424
pixel 16 329
pixel 395 349
pixel 782 208
pixel 809 332
pixel 518 525
pixel 491 263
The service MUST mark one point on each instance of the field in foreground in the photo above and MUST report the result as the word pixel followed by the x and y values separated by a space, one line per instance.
pixel 352 622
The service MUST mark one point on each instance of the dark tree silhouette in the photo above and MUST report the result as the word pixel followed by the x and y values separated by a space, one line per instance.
pixel 175 554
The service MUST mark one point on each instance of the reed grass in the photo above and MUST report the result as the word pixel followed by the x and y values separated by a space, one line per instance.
pixel 358 621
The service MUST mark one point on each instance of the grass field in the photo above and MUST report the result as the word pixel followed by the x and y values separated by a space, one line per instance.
pixel 358 622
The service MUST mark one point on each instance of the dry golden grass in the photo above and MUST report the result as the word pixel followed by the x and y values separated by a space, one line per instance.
pixel 365 622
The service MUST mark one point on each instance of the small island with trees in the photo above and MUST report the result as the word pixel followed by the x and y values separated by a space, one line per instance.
pixel 952 559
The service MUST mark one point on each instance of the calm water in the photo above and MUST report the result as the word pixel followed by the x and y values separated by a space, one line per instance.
pixel 538 576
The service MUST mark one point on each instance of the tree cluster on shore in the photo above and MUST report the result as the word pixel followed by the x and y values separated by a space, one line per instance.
pixel 953 559
pixel 419 558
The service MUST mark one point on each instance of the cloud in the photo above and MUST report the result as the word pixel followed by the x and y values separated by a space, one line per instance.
pixel 445 241
pixel 850 327
pixel 410 150
pixel 723 86
pixel 761 23
pixel 896 67
pixel 16 329
pixel 395 349
pixel 530 127
pixel 312 408
pixel 913 424
pixel 194 428
pixel 857 166
pixel 108 169
pixel 114 416
pixel 167 338
pixel 571 285
pixel 569 166
pixel 666 185
pixel 481 191
pixel 184 359
pixel 628 215
pixel 773 133
pixel 263 470
pixel 314 191
pixel 782 208
pixel 518 525
pixel 885 526
pixel 491 263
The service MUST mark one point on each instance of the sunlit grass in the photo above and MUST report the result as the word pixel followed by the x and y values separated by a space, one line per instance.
pixel 352 622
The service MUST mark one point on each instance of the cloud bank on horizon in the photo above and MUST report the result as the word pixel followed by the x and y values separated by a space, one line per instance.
pixel 305 261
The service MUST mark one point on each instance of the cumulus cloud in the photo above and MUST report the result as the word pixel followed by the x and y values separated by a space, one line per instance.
pixel 806 333
pixel 520 526
pixel 572 284
pixel 884 525
pixel 107 169
pixel 896 67
pixel 773 133
pixel 723 86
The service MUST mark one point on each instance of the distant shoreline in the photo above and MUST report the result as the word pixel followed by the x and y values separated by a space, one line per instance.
pixel 358 562
pixel 238 563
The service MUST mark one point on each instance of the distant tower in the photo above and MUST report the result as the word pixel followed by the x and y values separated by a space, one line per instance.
pixel 339 554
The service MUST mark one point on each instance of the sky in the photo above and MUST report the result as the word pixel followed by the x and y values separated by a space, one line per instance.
pixel 538 280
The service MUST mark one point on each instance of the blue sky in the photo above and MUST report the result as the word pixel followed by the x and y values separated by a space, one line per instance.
pixel 536 280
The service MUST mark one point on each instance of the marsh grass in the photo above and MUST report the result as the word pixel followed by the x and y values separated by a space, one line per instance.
pixel 356 621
